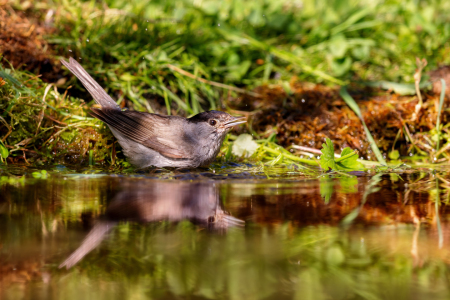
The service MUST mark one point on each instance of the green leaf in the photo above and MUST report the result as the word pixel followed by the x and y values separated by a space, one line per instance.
pixel 68 136
pixel 338 46
pixel 350 163
pixel 36 174
pixel 327 157
pixel 394 154
pixel 127 77
pixel 347 162
pixel 4 153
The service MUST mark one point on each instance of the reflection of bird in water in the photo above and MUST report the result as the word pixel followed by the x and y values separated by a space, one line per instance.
pixel 151 201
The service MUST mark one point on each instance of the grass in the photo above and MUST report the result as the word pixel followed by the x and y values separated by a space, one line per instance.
pixel 131 46
pixel 44 126
pixel 183 57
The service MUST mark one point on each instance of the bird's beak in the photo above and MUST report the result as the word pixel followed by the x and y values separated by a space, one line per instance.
pixel 235 121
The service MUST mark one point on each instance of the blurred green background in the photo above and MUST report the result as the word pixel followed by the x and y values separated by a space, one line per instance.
pixel 129 44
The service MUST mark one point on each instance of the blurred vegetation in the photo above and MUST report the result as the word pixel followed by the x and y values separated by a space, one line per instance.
pixel 130 45
pixel 277 253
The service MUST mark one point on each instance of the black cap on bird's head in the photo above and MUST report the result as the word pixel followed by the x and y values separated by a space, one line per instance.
pixel 218 119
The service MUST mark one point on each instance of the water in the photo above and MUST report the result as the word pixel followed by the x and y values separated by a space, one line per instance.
pixel 226 235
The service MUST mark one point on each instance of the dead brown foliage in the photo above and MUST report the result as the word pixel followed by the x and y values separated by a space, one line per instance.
pixel 22 43
pixel 313 112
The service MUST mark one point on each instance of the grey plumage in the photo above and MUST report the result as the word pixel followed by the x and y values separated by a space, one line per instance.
pixel 156 140
pixel 97 92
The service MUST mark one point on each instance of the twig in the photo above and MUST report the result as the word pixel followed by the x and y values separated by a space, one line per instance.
pixel 218 84
pixel 442 150
pixel 421 64
pixel 311 150
pixel 438 121
pixel 41 115
pixel 7 126
pixel 54 120
pixel 19 149
pixel 442 179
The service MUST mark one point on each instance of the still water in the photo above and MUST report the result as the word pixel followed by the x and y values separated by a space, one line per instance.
pixel 223 235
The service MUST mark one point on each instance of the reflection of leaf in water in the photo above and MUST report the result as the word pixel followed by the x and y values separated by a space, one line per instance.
pixel 395 177
pixel 309 285
pixel 175 282
pixel 371 188
pixel 349 185
pixel 326 188
pixel 334 255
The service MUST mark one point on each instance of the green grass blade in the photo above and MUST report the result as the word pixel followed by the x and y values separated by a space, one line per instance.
pixel 285 55
pixel 350 101
pixel 352 104
pixel 351 20
pixel 438 121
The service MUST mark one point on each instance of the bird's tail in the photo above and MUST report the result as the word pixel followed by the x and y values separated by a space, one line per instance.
pixel 92 240
pixel 97 92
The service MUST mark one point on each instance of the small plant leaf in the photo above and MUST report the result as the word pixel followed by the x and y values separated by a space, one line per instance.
pixel 36 174
pixel 327 157
pixel 4 153
pixel 350 163
pixel 347 162
pixel 394 154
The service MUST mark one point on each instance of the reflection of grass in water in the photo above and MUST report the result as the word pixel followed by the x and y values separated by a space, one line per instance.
pixel 311 263
pixel 260 261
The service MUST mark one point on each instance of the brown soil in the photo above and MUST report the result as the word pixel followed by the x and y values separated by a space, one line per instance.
pixel 313 112
pixel 22 43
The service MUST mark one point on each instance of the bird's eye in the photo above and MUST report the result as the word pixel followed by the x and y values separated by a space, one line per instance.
pixel 212 122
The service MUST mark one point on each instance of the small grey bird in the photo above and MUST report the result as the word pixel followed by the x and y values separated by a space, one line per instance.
pixel 156 140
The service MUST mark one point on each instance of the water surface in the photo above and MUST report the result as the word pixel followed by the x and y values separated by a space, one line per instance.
pixel 230 234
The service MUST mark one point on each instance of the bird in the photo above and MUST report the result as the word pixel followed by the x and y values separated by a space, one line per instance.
pixel 153 140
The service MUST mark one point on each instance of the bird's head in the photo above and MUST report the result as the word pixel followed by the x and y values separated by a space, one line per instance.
pixel 215 122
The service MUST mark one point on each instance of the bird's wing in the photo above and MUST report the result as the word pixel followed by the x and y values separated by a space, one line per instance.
pixel 96 91
pixel 151 130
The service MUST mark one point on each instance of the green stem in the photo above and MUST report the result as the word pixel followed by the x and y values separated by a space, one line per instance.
pixel 291 157
pixel 345 156
pixel 91 157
